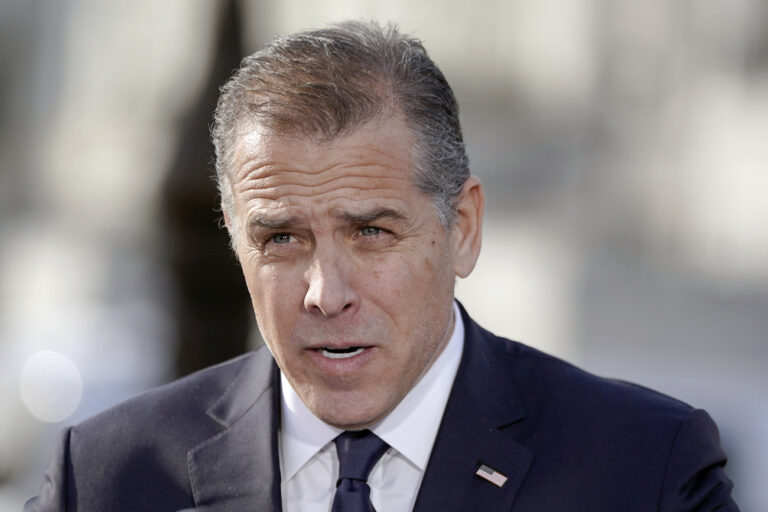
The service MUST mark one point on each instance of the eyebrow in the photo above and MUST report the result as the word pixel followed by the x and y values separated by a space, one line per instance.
pixel 269 222
pixel 262 221
pixel 368 217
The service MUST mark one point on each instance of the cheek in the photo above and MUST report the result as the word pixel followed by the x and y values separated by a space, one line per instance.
pixel 411 288
pixel 388 277
pixel 275 293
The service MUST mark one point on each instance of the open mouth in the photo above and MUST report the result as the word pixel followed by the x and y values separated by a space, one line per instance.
pixel 341 353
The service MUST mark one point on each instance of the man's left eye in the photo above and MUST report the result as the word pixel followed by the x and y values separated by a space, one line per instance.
pixel 370 231
pixel 281 238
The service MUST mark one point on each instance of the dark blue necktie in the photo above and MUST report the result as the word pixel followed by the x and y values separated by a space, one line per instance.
pixel 358 453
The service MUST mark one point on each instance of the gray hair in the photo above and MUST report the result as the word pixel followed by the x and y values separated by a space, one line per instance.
pixel 323 84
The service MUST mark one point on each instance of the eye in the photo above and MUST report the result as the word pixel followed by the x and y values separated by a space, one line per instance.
pixel 370 231
pixel 281 238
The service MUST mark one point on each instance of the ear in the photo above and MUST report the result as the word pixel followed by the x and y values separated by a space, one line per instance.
pixel 467 231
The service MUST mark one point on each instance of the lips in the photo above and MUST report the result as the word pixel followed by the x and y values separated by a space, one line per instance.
pixel 341 353
pixel 342 359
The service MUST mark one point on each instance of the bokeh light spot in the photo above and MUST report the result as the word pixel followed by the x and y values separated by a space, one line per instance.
pixel 51 386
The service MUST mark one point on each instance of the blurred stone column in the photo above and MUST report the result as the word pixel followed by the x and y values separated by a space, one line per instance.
pixel 211 312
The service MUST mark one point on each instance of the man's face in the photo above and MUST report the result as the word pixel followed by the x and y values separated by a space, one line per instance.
pixel 349 269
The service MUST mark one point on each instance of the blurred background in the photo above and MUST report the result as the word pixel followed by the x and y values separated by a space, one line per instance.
pixel 624 147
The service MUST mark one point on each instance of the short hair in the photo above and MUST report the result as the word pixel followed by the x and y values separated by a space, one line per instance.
pixel 323 84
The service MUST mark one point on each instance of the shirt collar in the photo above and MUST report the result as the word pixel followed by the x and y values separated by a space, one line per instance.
pixel 410 428
pixel 302 434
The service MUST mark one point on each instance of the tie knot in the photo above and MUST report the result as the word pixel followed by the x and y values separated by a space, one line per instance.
pixel 358 452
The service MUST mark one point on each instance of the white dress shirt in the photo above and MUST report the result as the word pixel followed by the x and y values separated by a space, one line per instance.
pixel 308 463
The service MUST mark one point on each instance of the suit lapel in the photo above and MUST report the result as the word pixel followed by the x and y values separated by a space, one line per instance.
pixel 483 402
pixel 238 468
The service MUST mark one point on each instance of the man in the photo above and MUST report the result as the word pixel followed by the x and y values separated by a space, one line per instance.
pixel 347 195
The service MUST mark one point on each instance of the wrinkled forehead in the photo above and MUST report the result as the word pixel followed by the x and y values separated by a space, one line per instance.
pixel 378 146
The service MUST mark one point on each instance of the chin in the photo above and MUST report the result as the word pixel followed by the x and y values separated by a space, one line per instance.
pixel 350 421
pixel 351 426
pixel 346 415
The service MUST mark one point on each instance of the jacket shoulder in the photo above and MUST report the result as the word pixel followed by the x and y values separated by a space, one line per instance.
pixel 566 385
pixel 133 456
pixel 188 396
pixel 658 452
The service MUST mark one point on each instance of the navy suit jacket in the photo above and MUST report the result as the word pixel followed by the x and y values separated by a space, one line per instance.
pixel 566 440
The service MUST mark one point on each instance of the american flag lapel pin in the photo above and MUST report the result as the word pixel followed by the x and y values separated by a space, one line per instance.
pixel 490 474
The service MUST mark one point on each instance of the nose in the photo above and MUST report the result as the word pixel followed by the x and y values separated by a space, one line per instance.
pixel 329 291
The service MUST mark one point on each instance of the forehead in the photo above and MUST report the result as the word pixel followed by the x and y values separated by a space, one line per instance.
pixel 375 160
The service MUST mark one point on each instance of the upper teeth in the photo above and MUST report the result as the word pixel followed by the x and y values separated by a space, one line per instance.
pixel 341 355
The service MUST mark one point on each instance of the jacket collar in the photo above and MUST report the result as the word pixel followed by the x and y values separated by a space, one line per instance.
pixel 239 467
pixel 482 408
